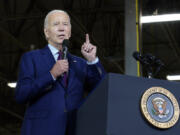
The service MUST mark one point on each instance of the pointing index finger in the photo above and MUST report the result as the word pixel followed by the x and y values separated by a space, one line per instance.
pixel 87 38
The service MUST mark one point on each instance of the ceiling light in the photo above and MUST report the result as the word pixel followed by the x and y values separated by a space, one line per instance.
pixel 173 77
pixel 160 18
pixel 12 84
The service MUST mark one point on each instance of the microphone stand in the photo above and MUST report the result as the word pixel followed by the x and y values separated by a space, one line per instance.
pixel 150 62
pixel 154 67
pixel 149 72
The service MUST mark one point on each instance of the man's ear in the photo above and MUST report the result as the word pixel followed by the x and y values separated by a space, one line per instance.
pixel 69 35
pixel 46 33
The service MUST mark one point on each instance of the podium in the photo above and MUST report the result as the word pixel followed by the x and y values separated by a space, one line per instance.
pixel 113 108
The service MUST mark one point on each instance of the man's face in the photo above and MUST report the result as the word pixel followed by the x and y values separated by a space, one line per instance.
pixel 58 28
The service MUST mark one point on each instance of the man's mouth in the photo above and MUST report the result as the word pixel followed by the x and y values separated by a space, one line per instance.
pixel 61 36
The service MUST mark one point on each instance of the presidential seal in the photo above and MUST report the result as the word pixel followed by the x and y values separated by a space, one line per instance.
pixel 160 107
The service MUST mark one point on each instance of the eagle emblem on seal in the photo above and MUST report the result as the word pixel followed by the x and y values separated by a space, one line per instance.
pixel 159 107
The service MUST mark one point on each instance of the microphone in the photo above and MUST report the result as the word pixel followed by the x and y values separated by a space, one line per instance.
pixel 159 65
pixel 65 45
pixel 150 59
pixel 151 62
pixel 139 57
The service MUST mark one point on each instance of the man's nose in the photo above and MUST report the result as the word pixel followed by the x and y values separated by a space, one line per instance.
pixel 61 27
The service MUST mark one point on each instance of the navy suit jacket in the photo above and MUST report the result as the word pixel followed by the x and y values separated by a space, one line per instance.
pixel 50 103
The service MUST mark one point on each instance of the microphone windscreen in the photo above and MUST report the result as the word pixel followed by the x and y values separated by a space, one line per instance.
pixel 65 43
pixel 137 55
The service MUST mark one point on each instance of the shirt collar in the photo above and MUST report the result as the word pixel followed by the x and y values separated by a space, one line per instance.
pixel 53 50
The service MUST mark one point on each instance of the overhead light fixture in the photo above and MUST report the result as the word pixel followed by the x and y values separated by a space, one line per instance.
pixel 12 84
pixel 160 18
pixel 173 77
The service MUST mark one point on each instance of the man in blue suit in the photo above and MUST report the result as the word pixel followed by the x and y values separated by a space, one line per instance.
pixel 51 104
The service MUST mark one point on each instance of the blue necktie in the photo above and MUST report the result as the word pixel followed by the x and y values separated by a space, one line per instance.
pixel 64 77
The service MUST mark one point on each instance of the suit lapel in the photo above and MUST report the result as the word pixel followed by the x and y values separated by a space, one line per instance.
pixel 48 57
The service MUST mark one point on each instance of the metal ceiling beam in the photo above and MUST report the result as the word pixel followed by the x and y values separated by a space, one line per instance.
pixel 173 42
pixel 11 113
pixel 17 42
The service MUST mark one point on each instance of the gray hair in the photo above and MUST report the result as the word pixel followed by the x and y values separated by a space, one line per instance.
pixel 51 12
